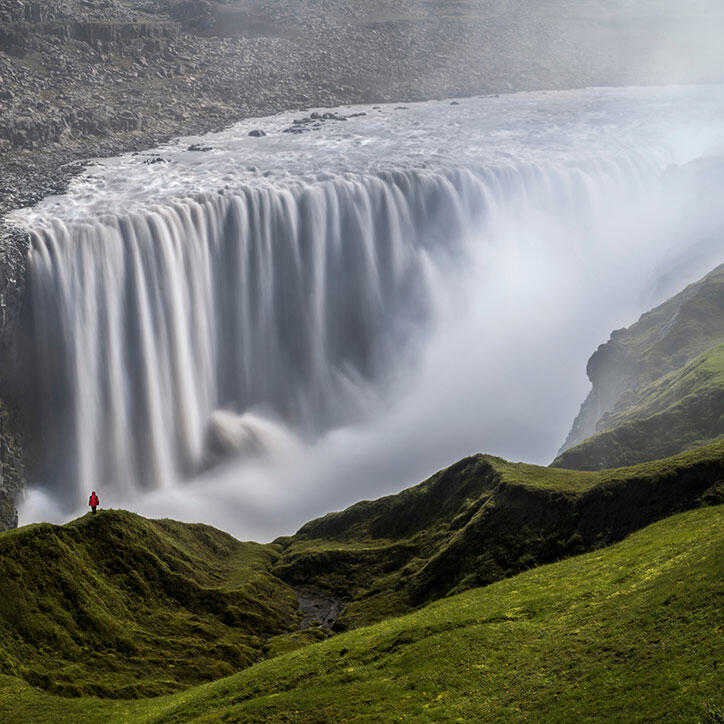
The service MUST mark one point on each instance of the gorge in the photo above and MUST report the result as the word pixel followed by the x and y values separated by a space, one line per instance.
pixel 274 322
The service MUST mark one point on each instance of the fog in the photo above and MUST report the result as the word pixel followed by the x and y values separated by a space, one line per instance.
pixel 664 40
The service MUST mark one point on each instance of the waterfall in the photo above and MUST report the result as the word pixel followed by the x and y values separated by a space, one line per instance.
pixel 293 298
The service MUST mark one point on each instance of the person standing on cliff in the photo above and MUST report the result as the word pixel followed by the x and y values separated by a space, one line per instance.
pixel 94 502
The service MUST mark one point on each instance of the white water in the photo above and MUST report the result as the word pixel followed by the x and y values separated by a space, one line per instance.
pixel 258 333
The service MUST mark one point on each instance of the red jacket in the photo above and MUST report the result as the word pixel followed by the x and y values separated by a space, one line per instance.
pixel 93 500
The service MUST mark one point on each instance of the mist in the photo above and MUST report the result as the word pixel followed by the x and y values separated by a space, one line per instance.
pixel 500 366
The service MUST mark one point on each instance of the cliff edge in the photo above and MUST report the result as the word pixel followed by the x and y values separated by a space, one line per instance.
pixel 658 386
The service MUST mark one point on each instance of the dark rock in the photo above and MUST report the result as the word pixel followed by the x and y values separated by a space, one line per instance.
pixel 12 474
pixel 193 14
pixel 257 133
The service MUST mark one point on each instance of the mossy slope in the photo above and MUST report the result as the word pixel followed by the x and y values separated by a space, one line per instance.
pixel 682 410
pixel 120 606
pixel 630 633
pixel 658 386
pixel 481 520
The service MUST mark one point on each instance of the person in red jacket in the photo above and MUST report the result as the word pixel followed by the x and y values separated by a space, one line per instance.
pixel 93 502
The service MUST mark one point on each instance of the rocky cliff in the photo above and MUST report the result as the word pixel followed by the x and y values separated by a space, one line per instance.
pixel 657 387
pixel 12 475
pixel 12 285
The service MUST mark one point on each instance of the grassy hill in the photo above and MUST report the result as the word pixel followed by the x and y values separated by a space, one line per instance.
pixel 681 410
pixel 116 605
pixel 481 520
pixel 631 633
pixel 658 386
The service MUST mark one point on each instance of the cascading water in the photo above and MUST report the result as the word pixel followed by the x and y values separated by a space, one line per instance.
pixel 171 325
pixel 287 299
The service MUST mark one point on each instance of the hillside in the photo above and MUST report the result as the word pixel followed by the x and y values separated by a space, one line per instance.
pixel 115 605
pixel 630 633
pixel 84 79
pixel 123 607
pixel 681 410
pixel 658 386
pixel 481 520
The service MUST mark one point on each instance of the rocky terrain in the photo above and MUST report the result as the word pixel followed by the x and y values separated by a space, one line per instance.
pixel 95 77
pixel 88 78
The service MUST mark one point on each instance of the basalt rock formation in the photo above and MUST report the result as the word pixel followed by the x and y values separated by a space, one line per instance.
pixel 12 284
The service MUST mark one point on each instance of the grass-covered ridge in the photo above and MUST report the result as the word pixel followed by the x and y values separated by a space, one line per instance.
pixel 117 605
pixel 629 633
pixel 120 607
pixel 481 520
pixel 681 410
pixel 660 383
pixel 679 330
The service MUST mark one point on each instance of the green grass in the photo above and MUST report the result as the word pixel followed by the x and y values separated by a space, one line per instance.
pixel 668 373
pixel 481 520
pixel 677 331
pixel 556 480
pixel 121 606
pixel 632 633
pixel 681 410
pixel 703 374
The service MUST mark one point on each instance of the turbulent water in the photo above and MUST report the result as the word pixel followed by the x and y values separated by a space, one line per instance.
pixel 251 333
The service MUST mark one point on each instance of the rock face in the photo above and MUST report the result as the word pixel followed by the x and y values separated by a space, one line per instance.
pixel 12 285
pixel 658 386
pixel 12 474
pixel 611 373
